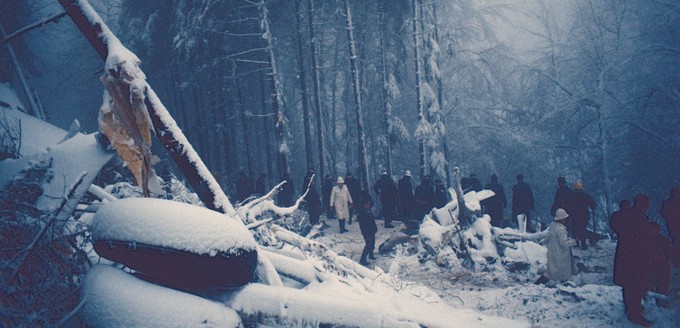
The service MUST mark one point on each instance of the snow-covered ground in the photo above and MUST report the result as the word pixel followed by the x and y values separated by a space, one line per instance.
pixel 589 300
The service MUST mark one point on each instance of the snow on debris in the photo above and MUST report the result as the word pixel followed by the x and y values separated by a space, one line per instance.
pixel 171 224
pixel 114 298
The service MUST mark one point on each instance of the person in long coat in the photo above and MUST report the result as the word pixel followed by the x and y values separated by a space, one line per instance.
pixel 495 204
pixel 341 201
pixel 522 201
pixel 387 190
pixel 287 191
pixel 405 191
pixel 441 196
pixel 424 198
pixel 312 201
pixel 560 259
pixel 368 228
pixel 562 196
pixel 660 266
pixel 579 205
pixel 621 228
pixel 354 188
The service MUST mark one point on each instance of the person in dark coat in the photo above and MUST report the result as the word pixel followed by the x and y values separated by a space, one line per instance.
pixel 579 205
pixel 424 198
pixel 328 184
pixel 474 183
pixel 387 190
pixel 562 196
pixel 354 189
pixel 441 197
pixel 670 210
pixel 522 201
pixel 261 184
pixel 465 185
pixel 621 228
pixel 287 191
pixel 635 258
pixel 311 201
pixel 660 266
pixel 244 187
pixel 405 191
pixel 368 228
pixel 494 205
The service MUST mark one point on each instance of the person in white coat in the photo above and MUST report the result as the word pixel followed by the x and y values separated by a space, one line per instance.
pixel 341 202
pixel 560 258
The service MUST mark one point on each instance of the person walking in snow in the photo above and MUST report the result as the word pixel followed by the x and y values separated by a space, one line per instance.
pixel 560 259
pixel 287 191
pixel 494 205
pixel 424 198
pixel 579 205
pixel 341 202
pixel 387 190
pixel 522 201
pixel 474 184
pixel 621 228
pixel 441 197
pixel 354 188
pixel 405 191
pixel 660 266
pixel 326 195
pixel 312 201
pixel 635 258
pixel 368 228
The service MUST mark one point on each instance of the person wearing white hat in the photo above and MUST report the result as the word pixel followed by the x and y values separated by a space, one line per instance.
pixel 560 258
pixel 341 201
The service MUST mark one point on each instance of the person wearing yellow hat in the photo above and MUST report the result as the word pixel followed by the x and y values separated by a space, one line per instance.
pixel 579 207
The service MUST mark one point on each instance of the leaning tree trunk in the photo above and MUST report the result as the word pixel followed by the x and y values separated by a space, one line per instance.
pixel 419 97
pixel 277 94
pixel 363 161
pixel 317 88
pixel 172 138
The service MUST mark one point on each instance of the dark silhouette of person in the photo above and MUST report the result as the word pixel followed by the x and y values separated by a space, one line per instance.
pixel 465 185
pixel 405 191
pixel 660 266
pixel 386 189
pixel 312 201
pixel 368 228
pixel 621 228
pixel 474 183
pixel 635 258
pixel 494 205
pixel 562 197
pixel 328 183
pixel 579 205
pixel 244 187
pixel 261 184
pixel 522 200
pixel 441 197
pixel 354 188
pixel 287 191
pixel 670 210
pixel 424 198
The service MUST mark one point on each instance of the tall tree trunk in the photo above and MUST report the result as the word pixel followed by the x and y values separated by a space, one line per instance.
pixel 440 99
pixel 265 123
pixel 303 88
pixel 277 94
pixel 317 88
pixel 424 166
pixel 387 107
pixel 244 124
pixel 172 138
pixel 361 136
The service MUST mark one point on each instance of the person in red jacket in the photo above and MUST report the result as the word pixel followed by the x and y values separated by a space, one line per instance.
pixel 660 266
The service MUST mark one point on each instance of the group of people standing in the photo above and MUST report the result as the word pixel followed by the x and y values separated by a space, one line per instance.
pixel 643 255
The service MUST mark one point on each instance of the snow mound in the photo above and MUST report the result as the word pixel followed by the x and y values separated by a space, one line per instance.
pixel 171 224
pixel 118 299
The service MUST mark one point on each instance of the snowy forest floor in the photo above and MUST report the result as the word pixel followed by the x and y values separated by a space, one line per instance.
pixel 590 299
